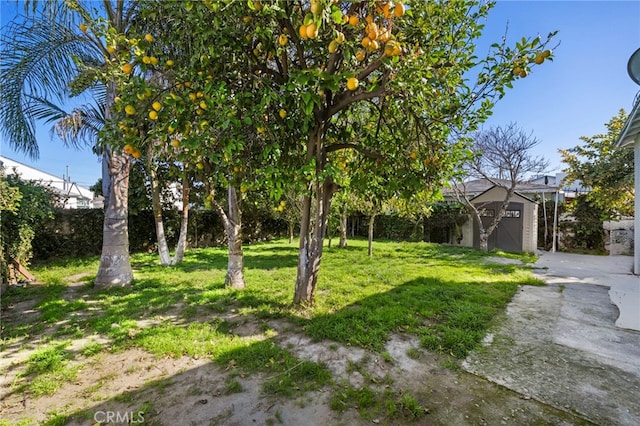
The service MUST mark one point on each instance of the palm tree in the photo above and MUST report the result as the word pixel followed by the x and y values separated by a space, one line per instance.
pixel 51 55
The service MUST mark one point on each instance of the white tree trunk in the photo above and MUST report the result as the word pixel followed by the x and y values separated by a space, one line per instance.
pixel 115 265
pixel 343 228
pixel 233 228
pixel 372 220
pixel 484 241
pixel 291 229
pixel 163 247
pixel 184 223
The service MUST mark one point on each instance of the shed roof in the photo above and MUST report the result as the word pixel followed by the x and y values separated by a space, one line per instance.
pixel 475 187
pixel 516 193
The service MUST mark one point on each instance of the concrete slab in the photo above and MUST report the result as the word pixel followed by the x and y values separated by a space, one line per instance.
pixel 614 272
pixel 556 344
pixel 560 344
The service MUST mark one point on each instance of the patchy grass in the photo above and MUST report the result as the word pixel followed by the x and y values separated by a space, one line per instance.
pixel 47 369
pixel 447 296
pixel 372 403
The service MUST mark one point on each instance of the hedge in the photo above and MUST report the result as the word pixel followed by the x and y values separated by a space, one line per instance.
pixel 78 233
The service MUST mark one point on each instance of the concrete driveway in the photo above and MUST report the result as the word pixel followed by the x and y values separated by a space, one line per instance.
pixel 560 343
pixel 609 271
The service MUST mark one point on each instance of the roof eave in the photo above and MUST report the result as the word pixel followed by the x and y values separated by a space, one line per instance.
pixel 631 130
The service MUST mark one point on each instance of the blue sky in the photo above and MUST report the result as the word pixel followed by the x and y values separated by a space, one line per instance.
pixel 573 96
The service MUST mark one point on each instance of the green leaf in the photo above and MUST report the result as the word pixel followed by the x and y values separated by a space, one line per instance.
pixel 336 14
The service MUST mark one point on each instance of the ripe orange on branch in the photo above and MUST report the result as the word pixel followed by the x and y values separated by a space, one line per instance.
pixel 303 31
pixel 312 31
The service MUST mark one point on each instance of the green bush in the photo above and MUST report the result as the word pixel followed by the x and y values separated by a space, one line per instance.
pixel 24 206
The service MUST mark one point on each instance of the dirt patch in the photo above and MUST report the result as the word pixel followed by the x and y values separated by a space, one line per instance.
pixel 189 391
pixel 136 385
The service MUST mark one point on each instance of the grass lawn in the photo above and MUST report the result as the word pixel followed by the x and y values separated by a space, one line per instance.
pixel 446 296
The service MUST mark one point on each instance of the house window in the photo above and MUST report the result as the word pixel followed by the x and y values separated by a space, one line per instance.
pixel 512 214
pixel 487 213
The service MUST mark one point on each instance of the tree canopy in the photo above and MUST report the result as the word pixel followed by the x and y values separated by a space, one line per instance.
pixel 267 95
pixel 603 168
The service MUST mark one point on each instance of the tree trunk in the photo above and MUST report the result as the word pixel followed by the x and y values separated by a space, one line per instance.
pixel 184 223
pixel 233 227
pixel 343 229
pixel 311 242
pixel 106 178
pixel 312 236
pixel 484 241
pixel 115 267
pixel 163 247
pixel 291 230
pixel 372 220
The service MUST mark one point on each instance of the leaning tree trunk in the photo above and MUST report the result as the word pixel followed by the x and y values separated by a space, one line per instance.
pixel 115 267
pixel 372 220
pixel 233 228
pixel 184 223
pixel 163 247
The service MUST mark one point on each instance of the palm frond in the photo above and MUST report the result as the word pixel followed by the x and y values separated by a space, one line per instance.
pixel 81 124
pixel 37 63
pixel 74 128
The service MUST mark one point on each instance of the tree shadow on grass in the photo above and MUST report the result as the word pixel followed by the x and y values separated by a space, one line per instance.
pixel 216 259
pixel 449 316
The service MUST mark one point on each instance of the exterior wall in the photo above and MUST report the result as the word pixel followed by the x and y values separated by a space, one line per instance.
pixel 467 233
pixel 619 237
pixel 530 234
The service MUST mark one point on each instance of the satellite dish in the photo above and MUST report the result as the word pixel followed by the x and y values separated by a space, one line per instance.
pixel 633 67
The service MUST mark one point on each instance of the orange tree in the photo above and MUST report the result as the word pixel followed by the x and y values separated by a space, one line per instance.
pixel 175 103
pixel 291 73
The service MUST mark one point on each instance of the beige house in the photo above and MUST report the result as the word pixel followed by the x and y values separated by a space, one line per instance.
pixel 518 228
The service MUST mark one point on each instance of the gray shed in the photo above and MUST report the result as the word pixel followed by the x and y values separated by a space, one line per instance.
pixel 517 230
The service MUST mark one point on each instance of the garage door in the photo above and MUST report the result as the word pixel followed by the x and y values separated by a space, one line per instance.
pixel 508 235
